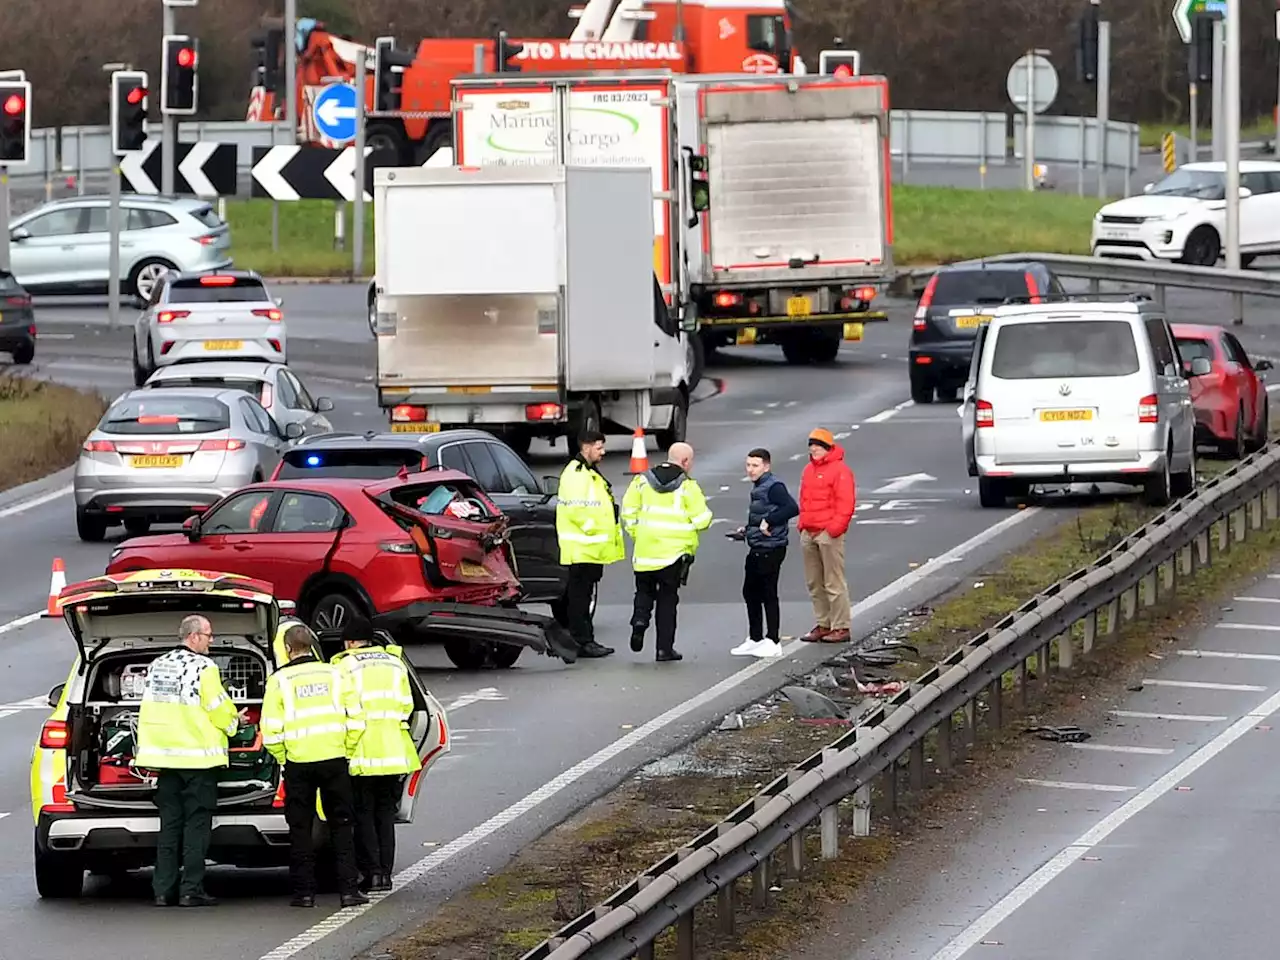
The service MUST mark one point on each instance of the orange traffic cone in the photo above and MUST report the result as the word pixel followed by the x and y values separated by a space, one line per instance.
pixel 57 581
pixel 639 453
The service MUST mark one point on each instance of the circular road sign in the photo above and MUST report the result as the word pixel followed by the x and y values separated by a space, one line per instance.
pixel 1046 82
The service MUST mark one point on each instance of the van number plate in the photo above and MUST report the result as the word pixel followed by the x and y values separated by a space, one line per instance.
pixel 1065 416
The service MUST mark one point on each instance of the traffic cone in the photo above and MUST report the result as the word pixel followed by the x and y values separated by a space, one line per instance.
pixel 639 453
pixel 57 581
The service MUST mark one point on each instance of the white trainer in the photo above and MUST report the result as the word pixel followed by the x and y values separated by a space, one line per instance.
pixel 767 648
pixel 747 648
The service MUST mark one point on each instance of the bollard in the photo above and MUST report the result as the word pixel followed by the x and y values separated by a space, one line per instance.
pixel 1186 561
pixel 1255 513
pixel 1239 528
pixel 795 849
pixel 1204 550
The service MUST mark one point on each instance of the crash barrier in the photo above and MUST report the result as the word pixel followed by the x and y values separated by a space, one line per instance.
pixel 944 705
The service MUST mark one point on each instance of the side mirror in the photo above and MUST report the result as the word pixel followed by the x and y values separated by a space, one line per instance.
pixel 18 234
pixel 1148 187
pixel 550 486
pixel 1263 365
pixel 294 431
pixel 191 527
pixel 56 694
pixel 278 301
pixel 323 404
pixel 1200 366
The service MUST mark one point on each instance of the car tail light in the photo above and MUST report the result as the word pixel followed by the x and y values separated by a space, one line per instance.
pixel 1033 291
pixel 1149 409
pixel 542 411
pixel 32 330
pixel 207 240
pixel 54 735
pixel 99 446
pixel 926 298
pixel 168 316
pixel 268 394
pixel 408 414
pixel 275 345
pixel 18 301
pixel 275 316
pixel 221 445
pixel 726 299
pixel 397 546
pixel 919 323
pixel 217 280
pixel 984 414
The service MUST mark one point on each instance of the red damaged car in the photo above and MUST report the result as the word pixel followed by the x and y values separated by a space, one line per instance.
pixel 425 556
pixel 1229 397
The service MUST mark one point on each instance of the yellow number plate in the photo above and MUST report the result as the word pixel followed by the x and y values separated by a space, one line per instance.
pixel 799 307
pixel 853 331
pixel 223 344
pixel 1063 416
pixel 971 323
pixel 156 461
pixel 745 337
pixel 470 568
pixel 415 428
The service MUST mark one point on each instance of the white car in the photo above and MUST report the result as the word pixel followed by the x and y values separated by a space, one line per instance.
pixel 273 385
pixel 1182 218
pixel 207 316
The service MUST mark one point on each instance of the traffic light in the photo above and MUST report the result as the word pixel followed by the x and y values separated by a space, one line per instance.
pixel 388 75
pixel 1087 51
pixel 15 122
pixel 840 63
pixel 1202 48
pixel 266 45
pixel 180 75
pixel 504 51
pixel 128 111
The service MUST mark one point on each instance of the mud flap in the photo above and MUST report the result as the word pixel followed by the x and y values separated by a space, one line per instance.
pixel 468 621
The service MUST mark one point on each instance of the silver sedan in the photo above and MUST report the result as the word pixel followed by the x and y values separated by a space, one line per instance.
pixel 159 456
pixel 273 385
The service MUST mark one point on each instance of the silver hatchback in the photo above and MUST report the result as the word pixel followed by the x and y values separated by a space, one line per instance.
pixel 274 385
pixel 159 456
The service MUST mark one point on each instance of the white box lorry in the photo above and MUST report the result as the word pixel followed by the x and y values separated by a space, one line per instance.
pixel 522 300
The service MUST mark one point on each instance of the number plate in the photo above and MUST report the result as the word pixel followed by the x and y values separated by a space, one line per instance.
pixel 223 344
pixel 470 568
pixel 1116 234
pixel 971 323
pixel 415 428
pixel 149 461
pixel 853 331
pixel 1065 416
pixel 799 307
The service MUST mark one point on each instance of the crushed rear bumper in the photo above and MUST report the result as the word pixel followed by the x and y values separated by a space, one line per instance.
pixel 448 620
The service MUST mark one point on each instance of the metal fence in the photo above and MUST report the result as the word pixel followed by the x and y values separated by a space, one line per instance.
pixel 945 707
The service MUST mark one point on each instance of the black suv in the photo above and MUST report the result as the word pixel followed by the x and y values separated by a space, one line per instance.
pixel 957 300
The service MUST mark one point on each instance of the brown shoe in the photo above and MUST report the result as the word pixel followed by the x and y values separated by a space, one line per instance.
pixel 816 635
pixel 836 636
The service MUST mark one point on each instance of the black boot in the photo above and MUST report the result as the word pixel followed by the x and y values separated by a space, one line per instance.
pixel 382 883
pixel 669 656
pixel 353 900
pixel 593 651
pixel 637 638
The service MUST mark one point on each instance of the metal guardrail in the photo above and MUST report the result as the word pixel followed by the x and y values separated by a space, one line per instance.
pixel 945 702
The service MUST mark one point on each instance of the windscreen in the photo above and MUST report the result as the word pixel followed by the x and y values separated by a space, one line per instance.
pixel 973 287
pixel 251 387
pixel 1194 349
pixel 1064 349
pixel 216 288
pixel 361 464
pixel 1200 184
pixel 162 414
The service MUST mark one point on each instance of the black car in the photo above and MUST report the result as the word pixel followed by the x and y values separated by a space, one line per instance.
pixel 17 320
pixel 957 300
pixel 529 502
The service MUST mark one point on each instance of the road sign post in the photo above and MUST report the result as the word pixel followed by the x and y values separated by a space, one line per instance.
pixel 1231 140
pixel 1219 91
pixel 168 125
pixel 113 250
pixel 4 219
pixel 1032 84
pixel 357 206
pixel 1104 101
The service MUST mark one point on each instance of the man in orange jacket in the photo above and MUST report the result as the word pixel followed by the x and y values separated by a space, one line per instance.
pixel 827 501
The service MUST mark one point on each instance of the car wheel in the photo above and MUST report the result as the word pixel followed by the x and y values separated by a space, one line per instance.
pixel 91 529
pixel 504 655
pixel 1157 489
pixel 679 428
pixel 142 279
pixel 1202 248
pixel 334 611
pixel 25 353
pixel 58 877
pixel 137 526
pixel 139 375
pixel 1262 431
pixel 991 492
pixel 1237 446
pixel 1185 482
pixel 466 654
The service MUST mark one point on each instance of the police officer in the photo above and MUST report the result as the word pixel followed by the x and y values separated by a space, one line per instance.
pixel 183 726
pixel 312 724
pixel 590 537
pixel 664 511
pixel 385 754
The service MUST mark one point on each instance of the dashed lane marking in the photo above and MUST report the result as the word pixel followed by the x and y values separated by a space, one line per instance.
pixel 884 415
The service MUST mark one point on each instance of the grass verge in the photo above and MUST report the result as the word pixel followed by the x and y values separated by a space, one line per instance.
pixel 42 426
pixel 931 225
pixel 588 857
pixel 1150 134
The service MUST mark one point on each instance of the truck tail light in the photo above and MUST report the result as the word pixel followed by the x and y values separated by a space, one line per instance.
pixel 865 294
pixel 726 299
pixel 1149 409
pixel 984 414
pixel 407 413
pixel 542 411
pixel 926 298
pixel 54 735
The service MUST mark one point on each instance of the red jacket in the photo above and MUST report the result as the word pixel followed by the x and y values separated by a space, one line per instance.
pixel 827 495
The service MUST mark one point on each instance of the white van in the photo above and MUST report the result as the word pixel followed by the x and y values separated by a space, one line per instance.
pixel 1083 390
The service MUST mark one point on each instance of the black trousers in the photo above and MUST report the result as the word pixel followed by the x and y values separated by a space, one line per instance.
pixel 660 588
pixel 377 799
pixel 302 781
pixel 186 800
pixel 760 591
pixel 583 578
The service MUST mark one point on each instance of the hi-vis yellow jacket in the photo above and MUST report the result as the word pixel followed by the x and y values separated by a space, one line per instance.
pixel 186 715
pixel 586 520
pixel 310 713
pixel 381 682
pixel 664 511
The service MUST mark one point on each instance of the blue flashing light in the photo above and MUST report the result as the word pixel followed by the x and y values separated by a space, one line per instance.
pixel 313 461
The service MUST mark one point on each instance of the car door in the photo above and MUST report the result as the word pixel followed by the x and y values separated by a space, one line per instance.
pixel 267 438
pixel 549 576
pixel 47 256
pixel 1248 388
pixel 429 728
pixel 301 404
pixel 228 533
pixel 93 246
pixel 303 531
pixel 1260 212
pixel 142 328
pixel 1173 391
pixel 968 408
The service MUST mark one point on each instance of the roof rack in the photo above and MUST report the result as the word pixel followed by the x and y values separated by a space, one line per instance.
pixel 1080 298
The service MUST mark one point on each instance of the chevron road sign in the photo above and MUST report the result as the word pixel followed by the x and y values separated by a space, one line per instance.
pixel 314 173
pixel 204 169
pixel 1184 10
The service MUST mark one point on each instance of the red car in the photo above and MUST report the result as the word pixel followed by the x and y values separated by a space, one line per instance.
pixel 424 556
pixel 1230 399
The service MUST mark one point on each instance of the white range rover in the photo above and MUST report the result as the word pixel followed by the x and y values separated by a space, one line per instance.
pixel 1182 217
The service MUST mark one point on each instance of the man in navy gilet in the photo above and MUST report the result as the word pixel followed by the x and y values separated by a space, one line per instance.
pixel 769 516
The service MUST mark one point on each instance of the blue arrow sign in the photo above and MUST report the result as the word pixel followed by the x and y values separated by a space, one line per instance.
pixel 335 112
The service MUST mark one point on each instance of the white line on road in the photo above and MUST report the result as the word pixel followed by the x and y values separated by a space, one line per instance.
pixel 977 931
pixel 34 502
pixel 1074 785
pixel 21 621
pixel 10 713
pixel 1205 685
pixel 884 415
pixel 1256 599
pixel 1118 748
pixel 1228 655
pixel 467 699
pixel 1249 626
pixel 481 832
pixel 1143 715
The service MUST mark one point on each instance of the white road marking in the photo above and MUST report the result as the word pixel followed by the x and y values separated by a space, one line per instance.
pixel 1118 748
pixel 1075 785
pixel 467 699
pixel 34 502
pixel 1256 599
pixel 1143 715
pixel 977 931
pixel 21 621
pixel 884 415
pixel 791 403
pixel 1248 626
pixel 1205 685
pixel 772 405
pixel 1228 655
pixel 632 738
pixel 10 713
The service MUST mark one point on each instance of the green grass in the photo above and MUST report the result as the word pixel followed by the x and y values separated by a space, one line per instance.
pixel 42 426
pixel 1150 134
pixel 931 225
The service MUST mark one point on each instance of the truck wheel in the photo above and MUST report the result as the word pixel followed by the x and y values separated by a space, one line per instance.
pixel 824 345
pixel 388 137
pixel 679 427
pixel 587 421
pixel 695 359
pixel 58 877
pixel 439 137
pixel 797 350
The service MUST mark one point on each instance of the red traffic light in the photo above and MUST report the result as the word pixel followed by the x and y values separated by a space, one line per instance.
pixel 14 105
pixel 842 71
pixel 136 95
pixel 186 57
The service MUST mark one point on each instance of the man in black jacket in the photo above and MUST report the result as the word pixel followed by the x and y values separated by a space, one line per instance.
pixel 769 515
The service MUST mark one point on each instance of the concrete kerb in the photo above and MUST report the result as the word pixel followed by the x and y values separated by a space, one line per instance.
pixel 35 489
